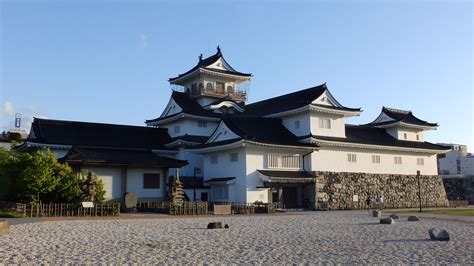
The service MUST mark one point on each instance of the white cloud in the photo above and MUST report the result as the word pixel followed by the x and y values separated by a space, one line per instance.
pixel 144 39
pixel 7 108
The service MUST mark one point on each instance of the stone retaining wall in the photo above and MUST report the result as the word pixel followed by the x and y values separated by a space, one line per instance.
pixel 460 188
pixel 336 191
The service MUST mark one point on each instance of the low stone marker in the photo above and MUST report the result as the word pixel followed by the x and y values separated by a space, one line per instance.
pixel 376 213
pixel 394 216
pixel 130 201
pixel 438 235
pixel 214 225
pixel 387 221
pixel 413 218
pixel 4 227
pixel 222 209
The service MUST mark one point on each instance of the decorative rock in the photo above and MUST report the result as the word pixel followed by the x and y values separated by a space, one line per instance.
pixel 413 218
pixel 215 225
pixel 387 221
pixel 130 199
pixel 4 227
pixel 394 216
pixel 376 213
pixel 438 235
pixel 226 226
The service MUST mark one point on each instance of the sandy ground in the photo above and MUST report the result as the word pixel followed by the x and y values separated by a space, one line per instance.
pixel 306 237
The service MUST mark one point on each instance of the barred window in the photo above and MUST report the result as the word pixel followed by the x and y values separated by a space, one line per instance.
pixel 375 158
pixel 297 124
pixel 352 158
pixel 420 161
pixel 325 123
pixel 202 124
pixel 398 160
pixel 283 161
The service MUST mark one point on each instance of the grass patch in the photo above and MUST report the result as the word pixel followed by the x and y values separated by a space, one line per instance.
pixel 464 212
pixel 9 214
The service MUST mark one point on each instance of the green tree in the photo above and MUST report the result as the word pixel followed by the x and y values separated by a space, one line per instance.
pixel 27 177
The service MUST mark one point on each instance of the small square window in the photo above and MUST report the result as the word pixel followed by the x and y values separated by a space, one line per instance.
pixel 234 157
pixel 214 159
pixel 420 161
pixel 405 135
pixel 202 124
pixel 297 124
pixel 176 129
pixel 151 180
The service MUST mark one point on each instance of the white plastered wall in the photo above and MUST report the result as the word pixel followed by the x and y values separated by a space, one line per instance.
pixel 338 126
pixel 335 159
pixel 399 133
pixel 226 168
pixel 190 127
pixel 304 120
pixel 112 179
pixel 135 183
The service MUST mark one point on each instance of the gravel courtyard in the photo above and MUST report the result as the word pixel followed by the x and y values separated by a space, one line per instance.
pixel 305 237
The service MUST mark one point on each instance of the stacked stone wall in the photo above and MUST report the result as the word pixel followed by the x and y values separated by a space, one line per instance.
pixel 460 188
pixel 336 190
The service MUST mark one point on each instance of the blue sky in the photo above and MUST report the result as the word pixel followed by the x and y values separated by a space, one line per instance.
pixel 109 61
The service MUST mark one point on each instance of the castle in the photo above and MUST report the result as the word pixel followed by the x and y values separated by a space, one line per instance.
pixel 295 149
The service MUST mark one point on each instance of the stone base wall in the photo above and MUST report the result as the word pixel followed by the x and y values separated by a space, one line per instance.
pixel 460 188
pixel 336 191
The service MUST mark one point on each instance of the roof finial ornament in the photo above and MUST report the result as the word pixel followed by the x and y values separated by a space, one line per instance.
pixel 200 57
pixel 218 50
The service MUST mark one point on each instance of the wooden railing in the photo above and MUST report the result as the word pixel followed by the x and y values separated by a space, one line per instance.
pixel 67 209
pixel 250 208
pixel 185 208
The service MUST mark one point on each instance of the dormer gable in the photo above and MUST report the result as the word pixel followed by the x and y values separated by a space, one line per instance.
pixel 171 108
pixel 222 133
pixel 402 124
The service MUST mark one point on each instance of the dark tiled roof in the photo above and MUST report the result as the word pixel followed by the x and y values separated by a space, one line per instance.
pixel 219 179
pixel 378 136
pixel 191 138
pixel 402 116
pixel 259 129
pixel 286 174
pixel 74 133
pixel 188 182
pixel 290 101
pixel 189 106
pixel 204 63
pixel 109 156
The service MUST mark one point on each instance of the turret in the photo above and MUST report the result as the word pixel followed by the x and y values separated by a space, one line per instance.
pixel 213 78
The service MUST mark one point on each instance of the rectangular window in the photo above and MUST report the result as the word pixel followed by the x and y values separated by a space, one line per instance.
pixel 283 161
pixel 352 158
pixel 420 161
pixel 151 180
pixel 202 124
pixel 375 158
pixel 214 159
pixel 417 137
pixel 325 123
pixel 234 157
pixel 398 160
pixel 297 124
pixel 405 135
pixel 176 129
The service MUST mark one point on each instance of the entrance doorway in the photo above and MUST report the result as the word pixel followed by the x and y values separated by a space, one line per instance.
pixel 290 197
